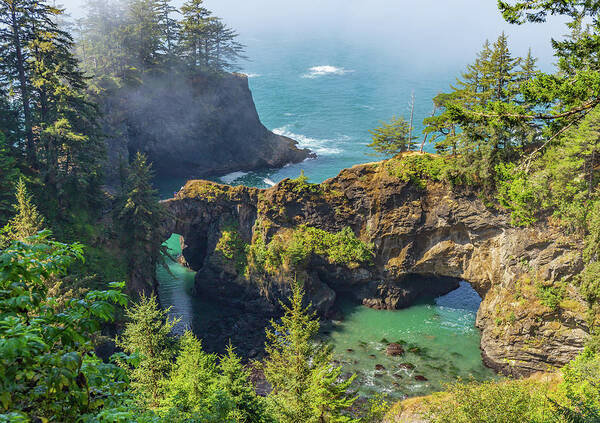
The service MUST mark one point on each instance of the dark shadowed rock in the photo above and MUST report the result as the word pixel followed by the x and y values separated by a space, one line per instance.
pixel 189 128
pixel 394 349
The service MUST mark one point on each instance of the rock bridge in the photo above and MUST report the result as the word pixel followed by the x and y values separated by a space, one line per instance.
pixel 425 239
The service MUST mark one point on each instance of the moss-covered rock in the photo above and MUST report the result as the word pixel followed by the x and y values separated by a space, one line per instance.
pixel 387 240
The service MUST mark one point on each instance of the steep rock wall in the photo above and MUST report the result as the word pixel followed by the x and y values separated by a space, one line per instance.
pixel 424 240
pixel 191 128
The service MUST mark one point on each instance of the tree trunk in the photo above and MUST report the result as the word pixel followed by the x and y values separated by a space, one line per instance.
pixel 23 87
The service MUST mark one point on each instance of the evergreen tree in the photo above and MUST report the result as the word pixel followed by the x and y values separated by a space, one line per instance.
pixel 140 216
pixel 100 39
pixel 480 144
pixel 190 391
pixel 234 381
pixel 392 138
pixel 148 334
pixel 307 387
pixel 224 51
pixel 16 32
pixel 169 28
pixel 194 34
pixel 143 33
pixel 27 221
pixel 8 177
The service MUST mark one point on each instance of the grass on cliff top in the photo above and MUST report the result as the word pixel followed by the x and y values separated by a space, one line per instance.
pixel 205 189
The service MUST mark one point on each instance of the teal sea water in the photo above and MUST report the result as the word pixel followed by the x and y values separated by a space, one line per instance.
pixel 327 96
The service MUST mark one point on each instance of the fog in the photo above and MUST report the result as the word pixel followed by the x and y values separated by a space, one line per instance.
pixel 428 31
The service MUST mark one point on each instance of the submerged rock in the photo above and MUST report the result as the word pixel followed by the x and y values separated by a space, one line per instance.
pixel 379 367
pixel 394 349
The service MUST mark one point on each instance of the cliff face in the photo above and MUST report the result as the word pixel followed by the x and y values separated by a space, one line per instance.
pixel 424 240
pixel 193 128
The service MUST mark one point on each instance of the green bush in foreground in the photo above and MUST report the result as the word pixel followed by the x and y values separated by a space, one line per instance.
pixel 575 400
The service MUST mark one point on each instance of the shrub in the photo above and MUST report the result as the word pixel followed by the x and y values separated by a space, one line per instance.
pixel 510 401
pixel 341 248
pixel 550 295
pixel 418 168
pixel 233 247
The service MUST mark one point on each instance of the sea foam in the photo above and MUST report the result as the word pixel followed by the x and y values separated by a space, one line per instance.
pixel 317 71
pixel 230 177
pixel 322 147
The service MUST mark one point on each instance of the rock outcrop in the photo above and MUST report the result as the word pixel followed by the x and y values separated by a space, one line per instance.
pixel 192 128
pixel 424 239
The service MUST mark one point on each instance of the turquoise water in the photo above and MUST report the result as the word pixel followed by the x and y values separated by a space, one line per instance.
pixel 439 337
pixel 327 96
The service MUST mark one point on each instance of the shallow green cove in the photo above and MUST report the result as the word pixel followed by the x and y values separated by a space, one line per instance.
pixel 439 336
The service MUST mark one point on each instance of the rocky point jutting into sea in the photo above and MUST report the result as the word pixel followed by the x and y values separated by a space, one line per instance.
pixel 191 127
pixel 425 239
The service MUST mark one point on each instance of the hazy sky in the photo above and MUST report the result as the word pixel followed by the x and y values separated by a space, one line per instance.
pixel 431 30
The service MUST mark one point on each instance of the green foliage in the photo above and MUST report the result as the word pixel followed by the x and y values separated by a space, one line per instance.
pixel 47 362
pixel 8 178
pixel 190 388
pixel 550 295
pixel 581 389
pixel 418 168
pixel 392 138
pixel 233 247
pixel 302 186
pixel 27 221
pixel 307 387
pixel 140 216
pixel 491 402
pixel 295 251
pixel 234 381
pixel 128 39
pixel 516 192
pixel 148 335
pixel 590 282
pixel 377 407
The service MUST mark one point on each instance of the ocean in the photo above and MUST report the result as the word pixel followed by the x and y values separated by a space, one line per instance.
pixel 328 96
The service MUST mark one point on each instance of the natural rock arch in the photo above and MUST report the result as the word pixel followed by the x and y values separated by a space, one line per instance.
pixel 436 232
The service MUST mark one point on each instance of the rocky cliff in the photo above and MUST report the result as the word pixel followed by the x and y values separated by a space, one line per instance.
pixel 207 125
pixel 405 240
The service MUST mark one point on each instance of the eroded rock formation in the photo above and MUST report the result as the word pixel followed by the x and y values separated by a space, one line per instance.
pixel 424 240
pixel 191 128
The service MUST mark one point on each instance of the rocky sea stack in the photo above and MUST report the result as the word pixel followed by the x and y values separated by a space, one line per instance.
pixel 192 127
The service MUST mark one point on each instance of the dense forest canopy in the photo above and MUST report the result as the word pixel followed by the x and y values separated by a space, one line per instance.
pixel 524 140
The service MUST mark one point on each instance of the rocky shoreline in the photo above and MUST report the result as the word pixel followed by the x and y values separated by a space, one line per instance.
pixel 425 240
pixel 192 128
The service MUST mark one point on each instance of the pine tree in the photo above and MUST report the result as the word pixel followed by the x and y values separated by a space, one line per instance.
pixel 191 387
pixel 307 387
pixel 8 177
pixel 194 34
pixel 148 334
pixel 143 33
pixel 16 32
pixel 169 28
pixel 27 221
pixel 503 74
pixel 392 138
pixel 234 381
pixel 224 51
